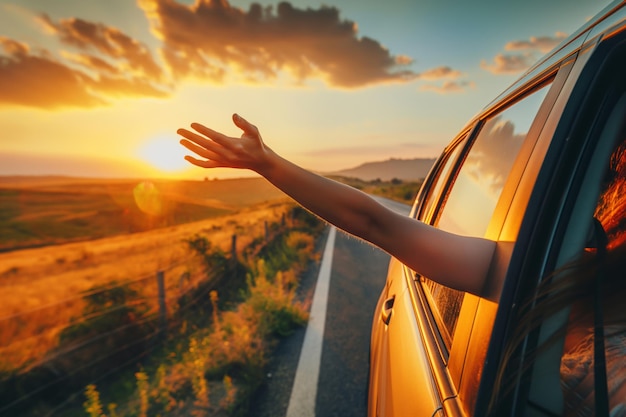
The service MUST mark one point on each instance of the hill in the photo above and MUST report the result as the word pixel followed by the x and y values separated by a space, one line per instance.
pixel 402 169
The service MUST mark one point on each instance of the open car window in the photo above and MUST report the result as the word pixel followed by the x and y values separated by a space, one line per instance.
pixel 469 204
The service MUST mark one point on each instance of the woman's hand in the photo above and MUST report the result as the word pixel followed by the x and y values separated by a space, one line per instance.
pixel 221 151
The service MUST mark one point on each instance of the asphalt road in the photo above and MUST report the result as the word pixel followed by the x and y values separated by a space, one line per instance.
pixel 357 273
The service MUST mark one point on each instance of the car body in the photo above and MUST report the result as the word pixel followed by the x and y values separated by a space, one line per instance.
pixel 525 172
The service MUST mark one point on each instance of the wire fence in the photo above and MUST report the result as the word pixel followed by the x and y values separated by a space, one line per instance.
pixel 121 325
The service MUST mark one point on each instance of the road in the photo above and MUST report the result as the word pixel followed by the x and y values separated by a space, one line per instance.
pixel 322 370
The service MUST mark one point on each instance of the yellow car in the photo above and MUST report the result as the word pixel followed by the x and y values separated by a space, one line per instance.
pixel 531 172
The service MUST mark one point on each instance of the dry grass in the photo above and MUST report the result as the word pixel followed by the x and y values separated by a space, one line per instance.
pixel 238 340
pixel 41 289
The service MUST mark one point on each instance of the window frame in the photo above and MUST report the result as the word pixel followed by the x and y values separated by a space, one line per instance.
pixel 455 155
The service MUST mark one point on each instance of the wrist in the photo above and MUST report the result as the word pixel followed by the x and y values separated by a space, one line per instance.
pixel 266 163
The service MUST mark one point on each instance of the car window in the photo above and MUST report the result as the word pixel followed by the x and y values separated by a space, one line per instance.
pixel 429 204
pixel 577 367
pixel 472 199
pixel 593 216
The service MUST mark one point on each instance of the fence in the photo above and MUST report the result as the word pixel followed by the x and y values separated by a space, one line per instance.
pixel 121 325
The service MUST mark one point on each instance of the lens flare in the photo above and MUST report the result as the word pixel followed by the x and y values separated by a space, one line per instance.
pixel 148 198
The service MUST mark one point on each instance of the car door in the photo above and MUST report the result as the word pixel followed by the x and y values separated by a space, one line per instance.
pixel 399 362
pixel 581 182
pixel 421 337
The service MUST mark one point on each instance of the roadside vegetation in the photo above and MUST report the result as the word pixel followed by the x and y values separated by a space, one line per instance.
pixel 394 189
pixel 174 313
pixel 213 367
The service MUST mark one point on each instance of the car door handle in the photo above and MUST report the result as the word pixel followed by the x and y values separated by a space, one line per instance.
pixel 385 313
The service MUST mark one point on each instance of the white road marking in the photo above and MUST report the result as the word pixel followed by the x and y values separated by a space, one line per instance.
pixel 304 390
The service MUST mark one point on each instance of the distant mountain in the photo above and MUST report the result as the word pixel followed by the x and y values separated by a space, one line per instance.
pixel 403 169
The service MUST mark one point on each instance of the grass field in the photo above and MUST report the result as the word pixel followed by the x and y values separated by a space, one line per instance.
pixel 62 237
pixel 64 240
pixel 74 236
pixel 39 211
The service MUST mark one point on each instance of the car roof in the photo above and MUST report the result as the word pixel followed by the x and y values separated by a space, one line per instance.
pixel 568 47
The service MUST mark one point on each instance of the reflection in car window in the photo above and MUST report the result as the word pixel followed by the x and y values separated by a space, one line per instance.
pixel 577 362
pixel 473 197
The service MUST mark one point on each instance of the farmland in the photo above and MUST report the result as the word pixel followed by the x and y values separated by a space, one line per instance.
pixel 80 263
pixel 65 260
pixel 40 211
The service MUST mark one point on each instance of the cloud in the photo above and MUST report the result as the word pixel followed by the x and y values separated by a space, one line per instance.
pixel 508 64
pixel 448 87
pixel 90 61
pixel 39 81
pixel 449 84
pixel 439 73
pixel 485 162
pixel 528 52
pixel 109 41
pixel 210 39
pixel 123 68
pixel 543 44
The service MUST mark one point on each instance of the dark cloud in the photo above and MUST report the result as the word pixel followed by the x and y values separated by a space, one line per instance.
pixel 90 61
pixel 212 38
pixel 123 68
pixel 109 41
pixel 38 81
pixel 529 51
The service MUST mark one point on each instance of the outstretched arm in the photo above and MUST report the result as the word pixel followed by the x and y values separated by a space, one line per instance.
pixel 455 261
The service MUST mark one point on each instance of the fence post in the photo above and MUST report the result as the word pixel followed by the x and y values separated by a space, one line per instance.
pixel 162 306
pixel 233 249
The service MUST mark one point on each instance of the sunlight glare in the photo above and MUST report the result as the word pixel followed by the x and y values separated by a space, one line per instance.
pixel 165 153
pixel 148 198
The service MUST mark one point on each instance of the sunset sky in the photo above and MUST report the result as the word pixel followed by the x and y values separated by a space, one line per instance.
pixel 98 88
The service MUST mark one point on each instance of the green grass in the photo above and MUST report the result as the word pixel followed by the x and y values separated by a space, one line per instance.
pixel 41 214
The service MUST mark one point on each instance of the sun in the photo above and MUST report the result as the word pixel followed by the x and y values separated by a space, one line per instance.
pixel 164 153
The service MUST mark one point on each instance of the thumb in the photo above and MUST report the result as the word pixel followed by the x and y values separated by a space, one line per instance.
pixel 244 125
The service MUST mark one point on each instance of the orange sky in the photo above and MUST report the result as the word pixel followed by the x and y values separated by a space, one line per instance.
pixel 99 89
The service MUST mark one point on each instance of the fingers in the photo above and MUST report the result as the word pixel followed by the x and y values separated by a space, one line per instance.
pixel 209 133
pixel 202 163
pixel 201 151
pixel 204 142
pixel 220 150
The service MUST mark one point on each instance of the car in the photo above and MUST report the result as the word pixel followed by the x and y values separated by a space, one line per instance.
pixel 528 172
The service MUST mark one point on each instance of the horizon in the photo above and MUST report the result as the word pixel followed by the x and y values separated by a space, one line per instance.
pixel 100 90
pixel 243 174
